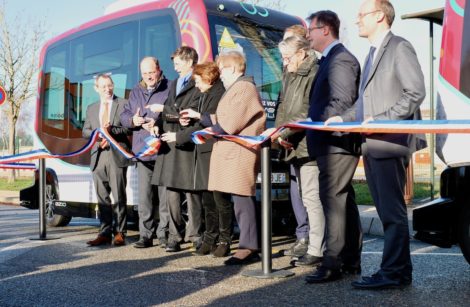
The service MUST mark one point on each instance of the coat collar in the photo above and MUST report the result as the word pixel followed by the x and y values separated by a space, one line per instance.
pixel 326 61
pixel 379 56
pixel 307 65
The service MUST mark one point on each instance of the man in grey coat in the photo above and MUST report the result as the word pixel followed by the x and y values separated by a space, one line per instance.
pixel 392 88
pixel 108 165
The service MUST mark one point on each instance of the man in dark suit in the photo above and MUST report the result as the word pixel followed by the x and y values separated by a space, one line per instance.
pixel 392 88
pixel 107 164
pixel 334 90
pixel 175 167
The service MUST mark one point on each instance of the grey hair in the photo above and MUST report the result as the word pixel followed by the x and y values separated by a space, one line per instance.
pixel 295 43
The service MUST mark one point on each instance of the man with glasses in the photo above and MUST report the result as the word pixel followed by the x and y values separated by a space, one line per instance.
pixel 152 89
pixel 392 88
pixel 334 90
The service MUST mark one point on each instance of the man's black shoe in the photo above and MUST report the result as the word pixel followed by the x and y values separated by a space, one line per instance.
pixel 307 260
pixel 143 243
pixel 351 269
pixel 173 247
pixel 379 282
pixel 322 275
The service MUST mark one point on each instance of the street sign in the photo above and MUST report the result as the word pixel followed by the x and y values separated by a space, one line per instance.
pixel 3 95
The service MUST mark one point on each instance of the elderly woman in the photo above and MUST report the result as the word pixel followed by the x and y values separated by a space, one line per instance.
pixel 300 69
pixel 217 206
pixel 233 167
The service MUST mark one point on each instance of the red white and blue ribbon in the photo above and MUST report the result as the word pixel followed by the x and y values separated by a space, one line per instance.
pixel 151 147
pixel 403 126
pixel 22 166
pixel 390 126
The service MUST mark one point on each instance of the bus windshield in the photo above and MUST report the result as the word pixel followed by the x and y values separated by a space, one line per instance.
pixel 259 44
pixel 115 48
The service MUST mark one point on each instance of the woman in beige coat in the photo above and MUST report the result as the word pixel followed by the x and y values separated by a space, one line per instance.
pixel 233 167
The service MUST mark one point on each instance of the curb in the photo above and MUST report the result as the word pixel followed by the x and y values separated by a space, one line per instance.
pixel 10 197
pixel 370 221
pixel 371 224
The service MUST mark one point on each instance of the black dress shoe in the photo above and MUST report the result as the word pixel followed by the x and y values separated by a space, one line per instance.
pixel 322 275
pixel 307 260
pixel 351 269
pixel 378 282
pixel 173 247
pixel 143 243
pixel 253 257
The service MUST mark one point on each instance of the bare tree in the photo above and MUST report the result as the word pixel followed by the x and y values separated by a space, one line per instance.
pixel 19 45
pixel 272 4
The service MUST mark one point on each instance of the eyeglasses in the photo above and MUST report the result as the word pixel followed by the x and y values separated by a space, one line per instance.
pixel 362 15
pixel 287 60
pixel 314 28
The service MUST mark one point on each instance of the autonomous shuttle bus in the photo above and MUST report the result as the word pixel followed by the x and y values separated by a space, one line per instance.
pixel 446 221
pixel 114 43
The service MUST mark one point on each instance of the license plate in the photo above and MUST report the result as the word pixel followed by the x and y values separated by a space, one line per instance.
pixel 275 178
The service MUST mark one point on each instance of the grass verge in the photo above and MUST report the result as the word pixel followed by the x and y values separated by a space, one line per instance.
pixel 19 184
pixel 363 197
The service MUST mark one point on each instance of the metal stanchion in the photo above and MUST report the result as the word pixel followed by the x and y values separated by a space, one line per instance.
pixel 42 199
pixel 266 226
pixel 42 202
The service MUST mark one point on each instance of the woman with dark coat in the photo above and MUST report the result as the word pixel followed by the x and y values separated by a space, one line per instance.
pixel 217 206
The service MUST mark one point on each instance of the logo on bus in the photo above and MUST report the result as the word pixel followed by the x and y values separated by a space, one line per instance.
pixel 3 95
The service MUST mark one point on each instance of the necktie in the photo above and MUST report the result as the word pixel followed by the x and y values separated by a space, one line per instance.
pixel 105 115
pixel 365 76
pixel 321 60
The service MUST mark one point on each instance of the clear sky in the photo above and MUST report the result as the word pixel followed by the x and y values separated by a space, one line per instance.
pixel 62 15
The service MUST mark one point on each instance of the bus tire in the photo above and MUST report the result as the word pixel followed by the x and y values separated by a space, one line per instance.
pixel 464 232
pixel 52 219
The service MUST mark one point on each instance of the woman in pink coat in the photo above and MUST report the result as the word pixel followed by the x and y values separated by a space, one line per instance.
pixel 233 167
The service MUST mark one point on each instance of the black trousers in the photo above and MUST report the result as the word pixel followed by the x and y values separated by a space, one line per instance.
pixel 343 233
pixel 218 214
pixel 386 179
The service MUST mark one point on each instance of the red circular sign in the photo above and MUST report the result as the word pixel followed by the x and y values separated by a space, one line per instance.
pixel 3 95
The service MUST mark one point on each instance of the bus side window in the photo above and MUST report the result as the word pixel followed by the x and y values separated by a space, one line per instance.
pixel 111 50
pixel 55 91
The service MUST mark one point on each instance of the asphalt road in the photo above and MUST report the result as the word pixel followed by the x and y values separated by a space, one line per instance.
pixel 65 272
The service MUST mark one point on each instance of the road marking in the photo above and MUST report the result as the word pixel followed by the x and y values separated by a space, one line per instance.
pixel 418 254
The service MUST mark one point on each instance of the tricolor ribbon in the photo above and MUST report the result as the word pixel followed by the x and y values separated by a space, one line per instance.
pixel 379 126
pixel 22 166
pixel 152 144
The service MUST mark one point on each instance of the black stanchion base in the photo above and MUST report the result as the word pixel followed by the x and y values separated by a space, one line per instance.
pixel 274 274
pixel 44 239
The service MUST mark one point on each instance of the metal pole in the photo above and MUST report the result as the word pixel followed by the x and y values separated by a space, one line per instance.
pixel 266 223
pixel 266 210
pixel 431 107
pixel 42 199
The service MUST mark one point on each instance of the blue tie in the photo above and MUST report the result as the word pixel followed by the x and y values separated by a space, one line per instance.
pixel 365 76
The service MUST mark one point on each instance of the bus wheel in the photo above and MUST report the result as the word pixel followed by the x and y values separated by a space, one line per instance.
pixel 52 219
pixel 464 232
